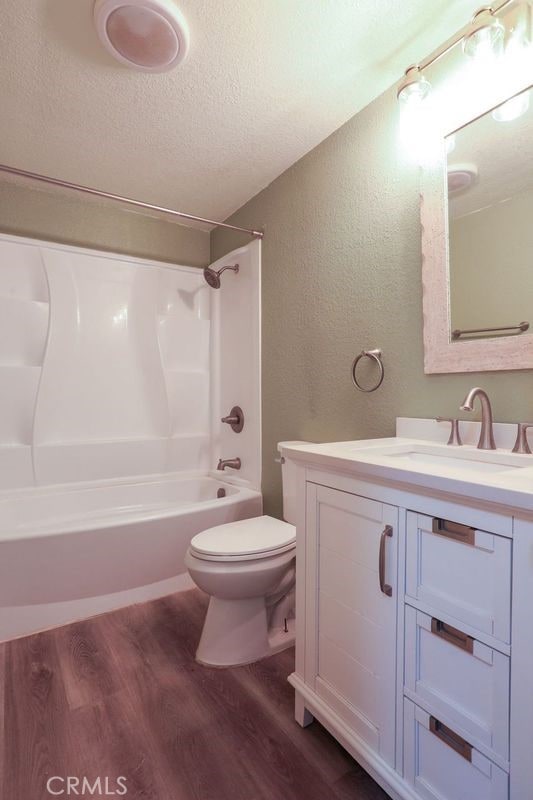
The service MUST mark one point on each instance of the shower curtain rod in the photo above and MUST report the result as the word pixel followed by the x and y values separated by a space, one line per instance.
pixel 138 203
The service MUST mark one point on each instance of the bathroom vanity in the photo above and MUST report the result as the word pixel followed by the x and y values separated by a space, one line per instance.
pixel 414 642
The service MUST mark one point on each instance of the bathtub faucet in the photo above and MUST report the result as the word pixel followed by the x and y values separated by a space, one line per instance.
pixel 234 463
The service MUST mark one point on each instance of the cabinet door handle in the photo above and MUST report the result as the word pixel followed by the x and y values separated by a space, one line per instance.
pixel 450 738
pixel 385 587
pixel 454 530
pixel 452 635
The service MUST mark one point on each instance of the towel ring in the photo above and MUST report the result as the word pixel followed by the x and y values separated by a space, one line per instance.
pixel 375 355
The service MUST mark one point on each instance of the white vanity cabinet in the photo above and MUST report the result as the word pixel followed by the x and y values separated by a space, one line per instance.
pixel 414 635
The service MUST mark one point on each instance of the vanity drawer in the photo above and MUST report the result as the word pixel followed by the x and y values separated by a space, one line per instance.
pixel 461 571
pixel 440 765
pixel 463 680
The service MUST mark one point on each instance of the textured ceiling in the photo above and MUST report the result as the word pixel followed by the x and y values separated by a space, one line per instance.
pixel 264 83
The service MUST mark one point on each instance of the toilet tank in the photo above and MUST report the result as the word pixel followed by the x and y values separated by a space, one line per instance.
pixel 288 476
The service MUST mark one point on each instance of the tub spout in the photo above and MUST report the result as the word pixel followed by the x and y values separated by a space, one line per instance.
pixel 233 463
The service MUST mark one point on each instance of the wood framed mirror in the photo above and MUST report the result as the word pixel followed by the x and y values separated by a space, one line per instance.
pixel 477 241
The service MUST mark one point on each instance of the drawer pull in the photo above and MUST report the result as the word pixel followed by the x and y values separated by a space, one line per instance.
pixel 452 635
pixel 450 738
pixel 454 530
pixel 385 587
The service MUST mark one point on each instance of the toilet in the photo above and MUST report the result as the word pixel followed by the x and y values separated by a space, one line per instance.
pixel 248 569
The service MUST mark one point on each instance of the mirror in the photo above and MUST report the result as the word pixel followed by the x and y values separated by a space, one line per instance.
pixel 477 240
pixel 490 222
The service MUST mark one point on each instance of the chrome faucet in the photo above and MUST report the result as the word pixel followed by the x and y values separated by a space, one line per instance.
pixel 233 463
pixel 486 435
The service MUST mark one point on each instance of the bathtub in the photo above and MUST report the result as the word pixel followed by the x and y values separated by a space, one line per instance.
pixel 69 552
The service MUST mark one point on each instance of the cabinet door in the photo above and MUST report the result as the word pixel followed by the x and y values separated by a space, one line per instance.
pixel 351 599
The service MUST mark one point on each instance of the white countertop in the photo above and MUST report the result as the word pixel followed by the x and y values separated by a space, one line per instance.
pixel 442 468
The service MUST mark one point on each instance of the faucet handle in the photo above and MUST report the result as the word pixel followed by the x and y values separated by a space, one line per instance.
pixel 521 444
pixel 455 435
pixel 235 419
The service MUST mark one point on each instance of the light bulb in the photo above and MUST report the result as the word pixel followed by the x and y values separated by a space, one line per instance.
pixel 513 109
pixel 414 89
pixel 485 42
pixel 417 119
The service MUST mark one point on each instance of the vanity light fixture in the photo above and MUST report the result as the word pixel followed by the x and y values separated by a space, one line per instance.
pixel 483 38
pixel 486 37
pixel 414 88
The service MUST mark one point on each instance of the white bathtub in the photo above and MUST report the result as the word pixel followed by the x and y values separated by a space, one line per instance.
pixel 69 552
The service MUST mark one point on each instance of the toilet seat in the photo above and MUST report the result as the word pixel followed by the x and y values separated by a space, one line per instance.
pixel 255 538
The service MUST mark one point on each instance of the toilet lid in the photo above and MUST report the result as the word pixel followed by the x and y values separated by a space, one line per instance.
pixel 258 536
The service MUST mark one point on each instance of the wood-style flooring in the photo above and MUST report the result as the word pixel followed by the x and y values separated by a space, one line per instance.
pixel 121 695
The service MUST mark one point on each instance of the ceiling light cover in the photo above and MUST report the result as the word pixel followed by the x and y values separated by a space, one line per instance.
pixel 461 177
pixel 149 35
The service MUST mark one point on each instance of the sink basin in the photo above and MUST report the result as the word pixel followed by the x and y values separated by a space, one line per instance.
pixel 449 460
pixel 470 464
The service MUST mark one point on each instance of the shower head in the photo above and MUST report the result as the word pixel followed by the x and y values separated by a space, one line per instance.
pixel 212 277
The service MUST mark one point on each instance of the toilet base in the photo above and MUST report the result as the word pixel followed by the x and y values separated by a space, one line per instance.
pixel 279 639
pixel 236 632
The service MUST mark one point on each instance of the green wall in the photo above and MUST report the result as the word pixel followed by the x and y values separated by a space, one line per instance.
pixel 69 219
pixel 341 272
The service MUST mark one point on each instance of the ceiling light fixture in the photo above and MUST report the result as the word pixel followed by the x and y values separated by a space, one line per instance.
pixel 149 35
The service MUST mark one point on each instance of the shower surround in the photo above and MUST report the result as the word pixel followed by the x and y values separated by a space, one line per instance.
pixel 115 369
